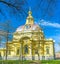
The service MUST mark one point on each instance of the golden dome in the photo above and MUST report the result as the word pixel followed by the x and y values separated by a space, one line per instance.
pixel 29 26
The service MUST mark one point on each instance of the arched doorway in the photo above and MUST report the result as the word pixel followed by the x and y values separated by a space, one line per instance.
pixel 24 47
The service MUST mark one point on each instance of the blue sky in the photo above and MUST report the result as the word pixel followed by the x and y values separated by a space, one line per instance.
pixel 49 24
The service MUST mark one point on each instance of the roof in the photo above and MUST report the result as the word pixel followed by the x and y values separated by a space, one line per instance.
pixel 28 27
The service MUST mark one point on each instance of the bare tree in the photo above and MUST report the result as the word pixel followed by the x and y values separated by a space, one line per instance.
pixel 7 33
pixel 16 6
pixel 21 6
pixel 46 7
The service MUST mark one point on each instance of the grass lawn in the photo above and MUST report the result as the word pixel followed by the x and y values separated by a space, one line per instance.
pixel 50 62
pixel 29 62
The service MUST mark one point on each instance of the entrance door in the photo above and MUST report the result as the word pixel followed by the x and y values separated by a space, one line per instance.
pixel 43 57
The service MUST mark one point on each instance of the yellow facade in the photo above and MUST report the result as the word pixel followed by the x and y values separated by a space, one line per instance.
pixel 29 43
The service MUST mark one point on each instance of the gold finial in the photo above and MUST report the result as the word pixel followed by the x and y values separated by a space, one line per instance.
pixel 29 19
pixel 29 11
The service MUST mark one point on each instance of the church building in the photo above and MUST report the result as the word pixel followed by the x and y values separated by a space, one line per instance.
pixel 29 43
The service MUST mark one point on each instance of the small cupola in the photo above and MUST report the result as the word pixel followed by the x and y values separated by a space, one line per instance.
pixel 29 19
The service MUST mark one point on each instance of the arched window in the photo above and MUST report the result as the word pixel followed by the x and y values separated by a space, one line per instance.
pixel 26 49
pixel 17 51
pixel 9 52
pixel 36 51
pixel 47 50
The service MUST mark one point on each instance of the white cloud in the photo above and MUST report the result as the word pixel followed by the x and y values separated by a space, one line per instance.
pixel 57 47
pixel 57 38
pixel 47 23
pixel 57 42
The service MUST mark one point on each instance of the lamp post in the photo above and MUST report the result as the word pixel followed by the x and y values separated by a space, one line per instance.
pixel 38 44
pixel 0 45
pixel 32 46
pixel 21 50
